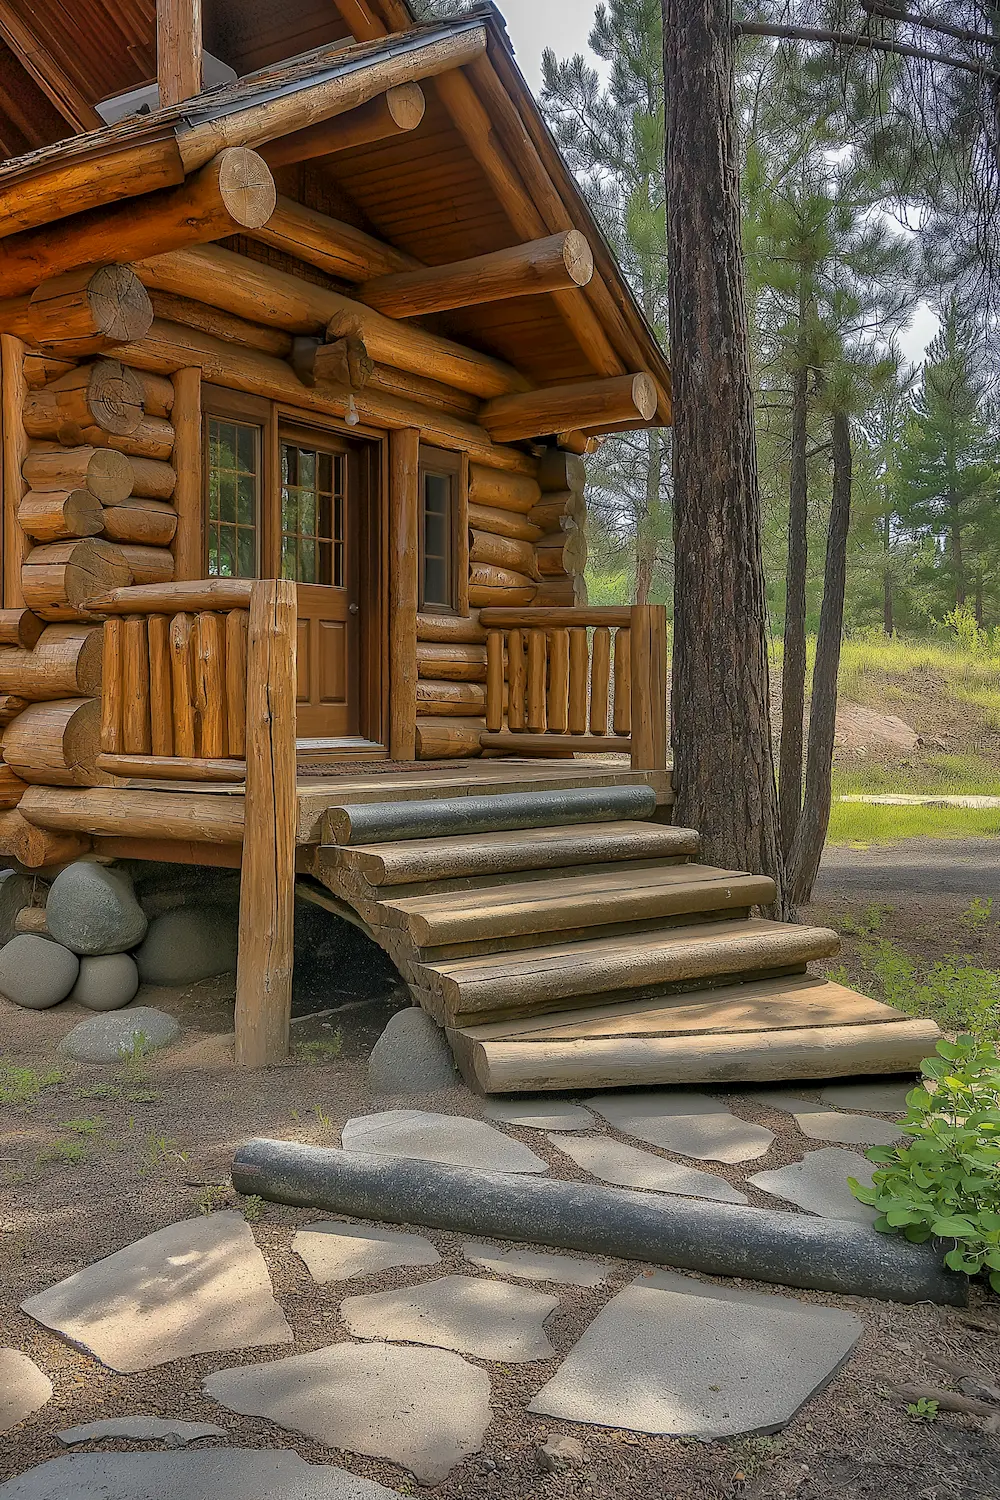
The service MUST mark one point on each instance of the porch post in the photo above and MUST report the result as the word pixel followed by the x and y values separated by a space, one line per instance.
pixel 267 882
pixel 404 552
pixel 648 644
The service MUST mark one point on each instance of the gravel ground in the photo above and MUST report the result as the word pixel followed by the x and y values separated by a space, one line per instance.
pixel 163 1149
pixel 942 867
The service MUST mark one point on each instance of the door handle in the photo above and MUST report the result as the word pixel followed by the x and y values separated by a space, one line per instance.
pixel 353 609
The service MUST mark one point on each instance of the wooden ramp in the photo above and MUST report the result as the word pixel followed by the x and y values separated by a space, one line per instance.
pixel 567 940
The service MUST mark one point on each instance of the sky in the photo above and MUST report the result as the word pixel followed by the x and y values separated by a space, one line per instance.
pixel 564 25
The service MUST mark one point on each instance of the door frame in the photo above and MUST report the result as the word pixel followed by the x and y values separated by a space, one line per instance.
pixel 370 469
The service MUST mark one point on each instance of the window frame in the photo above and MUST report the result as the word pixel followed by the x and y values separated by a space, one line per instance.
pixel 234 406
pixel 443 463
pixel 320 440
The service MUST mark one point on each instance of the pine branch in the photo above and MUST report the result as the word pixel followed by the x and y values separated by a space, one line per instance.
pixel 912 18
pixel 863 42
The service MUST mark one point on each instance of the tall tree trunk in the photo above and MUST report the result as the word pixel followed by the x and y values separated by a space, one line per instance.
pixel 979 600
pixel 957 559
pixel 647 533
pixel 888 601
pixel 723 758
pixel 793 668
pixel 810 836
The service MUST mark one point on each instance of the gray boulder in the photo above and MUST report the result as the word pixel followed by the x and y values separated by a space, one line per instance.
pixel 35 972
pixel 189 944
pixel 106 982
pixel 16 892
pixel 108 1038
pixel 411 1056
pixel 92 909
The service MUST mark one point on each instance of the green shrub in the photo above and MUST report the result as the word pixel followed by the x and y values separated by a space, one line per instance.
pixel 955 992
pixel 946 1180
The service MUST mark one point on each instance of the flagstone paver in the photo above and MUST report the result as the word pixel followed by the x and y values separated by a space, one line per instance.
pixel 676 1356
pixel 628 1166
pixel 450 1139
pixel 426 1409
pixel 884 1096
pixel 336 1252
pixel 536 1265
pixel 689 1124
pixel 232 1474
pixel 822 1124
pixel 193 1288
pixel 487 1319
pixel 819 1183
pixel 23 1388
pixel 539 1114
pixel 141 1430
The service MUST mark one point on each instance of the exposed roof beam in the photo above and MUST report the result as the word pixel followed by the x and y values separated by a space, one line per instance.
pixel 395 112
pixel 359 16
pixel 178 50
pixel 57 86
pixel 561 408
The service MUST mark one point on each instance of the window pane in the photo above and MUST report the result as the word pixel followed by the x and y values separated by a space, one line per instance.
pixel 437 582
pixel 233 500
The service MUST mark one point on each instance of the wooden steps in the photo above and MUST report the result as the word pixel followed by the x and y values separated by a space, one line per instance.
pixel 593 950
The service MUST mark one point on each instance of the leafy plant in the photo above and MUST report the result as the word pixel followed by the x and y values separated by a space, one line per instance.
pixel 23 1085
pixel 922 1410
pixel 68 1153
pixel 977 913
pixel 954 992
pixel 253 1207
pixel 320 1051
pixel 83 1127
pixel 946 1180
pixel 210 1197
pixel 869 922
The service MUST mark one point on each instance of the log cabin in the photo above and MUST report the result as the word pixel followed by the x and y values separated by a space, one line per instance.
pixel 305 332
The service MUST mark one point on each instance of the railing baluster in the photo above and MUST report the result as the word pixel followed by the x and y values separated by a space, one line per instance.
pixel 623 681
pixel 210 685
pixel 182 676
pixel 237 628
pixel 161 725
pixel 536 681
pixel 516 680
pixel 579 669
pixel 558 699
pixel 600 676
pixel 494 681
pixel 135 682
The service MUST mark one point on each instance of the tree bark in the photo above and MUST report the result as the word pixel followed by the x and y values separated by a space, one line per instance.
pixel 810 836
pixel 957 558
pixel 793 669
pixel 723 758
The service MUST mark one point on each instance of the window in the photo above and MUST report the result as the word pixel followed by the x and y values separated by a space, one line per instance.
pixel 439 477
pixel 233 472
pixel 313 539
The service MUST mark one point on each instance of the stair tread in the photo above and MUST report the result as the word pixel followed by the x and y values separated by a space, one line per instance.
pixel 667 833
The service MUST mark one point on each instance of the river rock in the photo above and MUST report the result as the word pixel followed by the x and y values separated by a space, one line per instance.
pixel 92 909
pixel 16 892
pixel 109 1038
pixel 188 944
pixel 106 982
pixel 411 1056
pixel 35 972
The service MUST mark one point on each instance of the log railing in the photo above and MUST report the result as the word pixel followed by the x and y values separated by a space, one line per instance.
pixel 174 681
pixel 562 680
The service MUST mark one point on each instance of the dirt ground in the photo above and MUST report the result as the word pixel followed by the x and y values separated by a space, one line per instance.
pixel 157 1143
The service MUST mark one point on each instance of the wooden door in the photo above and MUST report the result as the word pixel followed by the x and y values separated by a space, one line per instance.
pixel 320 550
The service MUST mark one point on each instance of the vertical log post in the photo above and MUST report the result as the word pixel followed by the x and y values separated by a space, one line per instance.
pixel 185 413
pixel 178 50
pixel 267 883
pixel 15 450
pixel 404 558
pixel 648 640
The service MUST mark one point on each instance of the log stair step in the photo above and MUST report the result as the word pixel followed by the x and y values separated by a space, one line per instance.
pixel 487 855
pixel 573 900
pixel 538 979
pixel 794 1027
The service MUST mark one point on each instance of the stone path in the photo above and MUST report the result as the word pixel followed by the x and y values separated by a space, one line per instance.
pixel 536 1265
pixel 822 1124
pixel 689 1124
pixel 882 1096
pixel 818 1184
pixel 236 1474
pixel 450 1139
pixel 470 1314
pixel 23 1388
pixel 425 1409
pixel 539 1114
pixel 673 1355
pixel 336 1252
pixel 141 1430
pixel 627 1166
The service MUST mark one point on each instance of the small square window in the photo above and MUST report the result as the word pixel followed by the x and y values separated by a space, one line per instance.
pixel 438 522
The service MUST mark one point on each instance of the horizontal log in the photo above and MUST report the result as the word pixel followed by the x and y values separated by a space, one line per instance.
pixel 585 443
pixel 505 552
pixel 557 744
pixel 445 739
pixel 344 362
pixel 152 479
pixel 12 788
pixel 266 295
pixel 567 592
pixel 105 395
pixel 149 523
pixel 557 510
pixel 175 598
pixel 509 523
pixel 561 552
pixel 37 848
pixel 56 743
pixel 518 492
pixel 533 413
pixel 40 368
pixel 157 393
pixel 491 585
pixel 173 768
pixel 51 190
pixel 103 471
pixel 330 245
pixel 10 707
pixel 560 470
pixel 231 194
pixel 454 661
pixel 427 392
pixel 393 113
pixel 64 663
pixel 19 627
pixel 221 325
pixel 608 615
pixel 59 578
pixel 450 699
pixel 548 265
pixel 113 811
pixel 153 438
pixel 53 516
pixel 148 565
pixel 444 628
pixel 84 311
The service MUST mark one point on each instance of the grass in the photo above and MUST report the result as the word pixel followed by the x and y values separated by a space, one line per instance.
pixel 23 1085
pixel 955 992
pixel 952 775
pixel 862 824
